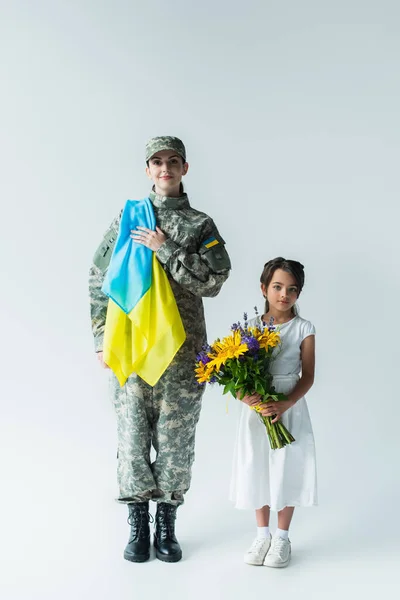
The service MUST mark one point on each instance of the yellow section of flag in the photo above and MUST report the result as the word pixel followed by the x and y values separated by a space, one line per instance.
pixel 211 243
pixel 146 340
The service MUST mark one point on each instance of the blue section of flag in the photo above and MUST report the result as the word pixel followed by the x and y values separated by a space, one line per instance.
pixel 212 241
pixel 129 274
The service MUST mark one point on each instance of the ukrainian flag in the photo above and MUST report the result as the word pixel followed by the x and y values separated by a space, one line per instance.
pixel 212 241
pixel 143 329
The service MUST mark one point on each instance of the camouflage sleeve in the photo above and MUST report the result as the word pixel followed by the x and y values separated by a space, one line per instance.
pixel 98 300
pixel 202 273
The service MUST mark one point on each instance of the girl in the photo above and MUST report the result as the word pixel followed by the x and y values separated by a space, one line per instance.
pixel 265 479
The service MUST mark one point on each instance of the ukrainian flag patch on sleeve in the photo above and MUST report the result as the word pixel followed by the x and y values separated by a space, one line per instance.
pixel 212 241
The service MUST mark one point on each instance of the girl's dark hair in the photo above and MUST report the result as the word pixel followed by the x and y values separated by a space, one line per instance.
pixel 293 267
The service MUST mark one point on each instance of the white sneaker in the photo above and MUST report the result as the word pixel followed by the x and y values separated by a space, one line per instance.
pixel 257 552
pixel 279 553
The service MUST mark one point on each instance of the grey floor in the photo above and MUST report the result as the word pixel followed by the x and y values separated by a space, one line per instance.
pixel 63 535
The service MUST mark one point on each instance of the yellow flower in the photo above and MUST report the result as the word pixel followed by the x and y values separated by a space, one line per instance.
pixel 266 339
pixel 269 340
pixel 203 372
pixel 229 347
pixel 255 331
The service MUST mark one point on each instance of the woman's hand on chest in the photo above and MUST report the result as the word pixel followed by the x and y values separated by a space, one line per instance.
pixel 151 239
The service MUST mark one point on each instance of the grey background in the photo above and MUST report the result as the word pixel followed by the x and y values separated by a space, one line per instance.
pixel 289 112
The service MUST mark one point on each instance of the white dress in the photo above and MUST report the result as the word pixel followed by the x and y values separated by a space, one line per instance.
pixel 286 476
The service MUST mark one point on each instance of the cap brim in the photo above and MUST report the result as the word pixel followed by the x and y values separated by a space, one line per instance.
pixel 167 148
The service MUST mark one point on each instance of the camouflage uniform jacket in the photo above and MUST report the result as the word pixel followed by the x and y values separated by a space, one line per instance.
pixel 193 269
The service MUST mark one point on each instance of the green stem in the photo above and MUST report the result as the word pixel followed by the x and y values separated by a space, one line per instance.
pixel 278 443
pixel 287 436
pixel 277 433
pixel 271 433
pixel 268 428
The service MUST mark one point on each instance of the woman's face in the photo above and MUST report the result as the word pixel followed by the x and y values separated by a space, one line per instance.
pixel 166 170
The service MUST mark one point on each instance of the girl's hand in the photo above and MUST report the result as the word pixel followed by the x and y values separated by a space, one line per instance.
pixel 275 409
pixel 252 400
pixel 149 238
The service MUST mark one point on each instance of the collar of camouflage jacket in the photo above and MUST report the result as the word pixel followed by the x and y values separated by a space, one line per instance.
pixel 167 202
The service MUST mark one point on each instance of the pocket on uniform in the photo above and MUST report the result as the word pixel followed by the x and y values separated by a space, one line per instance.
pixel 102 257
pixel 103 253
pixel 213 252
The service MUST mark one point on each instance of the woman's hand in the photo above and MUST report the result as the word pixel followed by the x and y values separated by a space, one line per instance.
pixel 252 400
pixel 275 409
pixel 101 360
pixel 149 238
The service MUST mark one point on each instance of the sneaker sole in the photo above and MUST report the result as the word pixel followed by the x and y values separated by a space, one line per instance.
pixel 254 564
pixel 279 565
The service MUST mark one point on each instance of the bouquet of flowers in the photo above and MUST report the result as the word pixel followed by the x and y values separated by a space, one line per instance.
pixel 240 362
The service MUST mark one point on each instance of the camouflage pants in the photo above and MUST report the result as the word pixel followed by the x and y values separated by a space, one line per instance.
pixel 165 417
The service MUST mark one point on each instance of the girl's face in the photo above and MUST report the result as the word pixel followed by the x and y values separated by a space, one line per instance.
pixel 166 170
pixel 282 292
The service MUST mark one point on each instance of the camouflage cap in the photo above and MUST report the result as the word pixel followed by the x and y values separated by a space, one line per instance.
pixel 165 142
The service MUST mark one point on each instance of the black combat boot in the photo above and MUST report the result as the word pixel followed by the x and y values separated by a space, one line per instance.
pixel 138 547
pixel 166 545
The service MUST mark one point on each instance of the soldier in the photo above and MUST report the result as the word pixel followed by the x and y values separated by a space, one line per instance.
pixel 192 252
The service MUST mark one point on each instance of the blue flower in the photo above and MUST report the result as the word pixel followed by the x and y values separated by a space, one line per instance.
pixel 238 327
pixel 202 357
pixel 252 343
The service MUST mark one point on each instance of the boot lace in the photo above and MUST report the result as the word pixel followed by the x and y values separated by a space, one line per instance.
pixel 138 518
pixel 166 521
